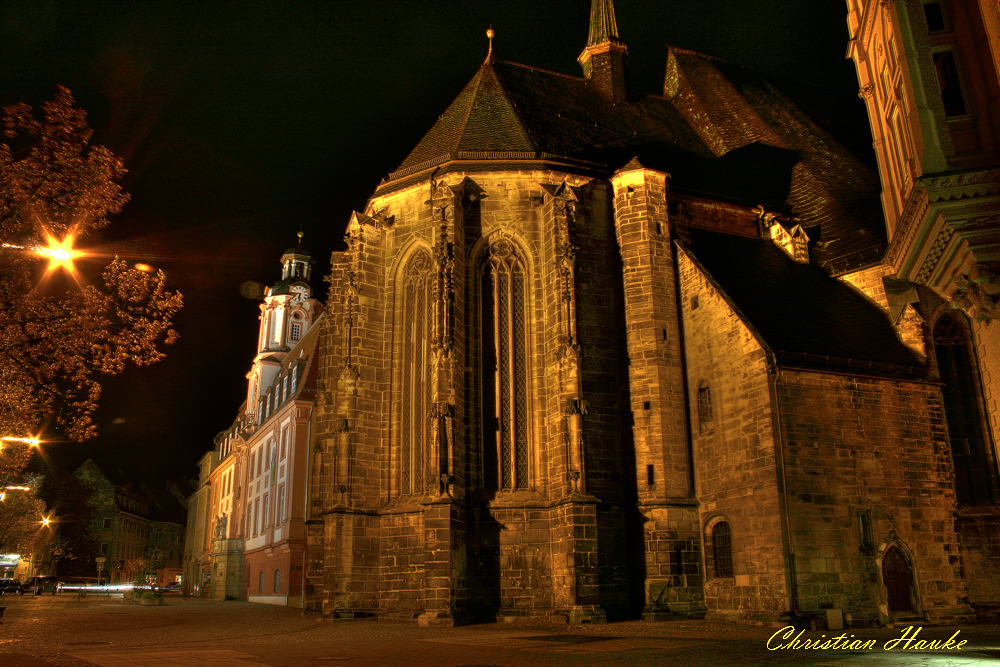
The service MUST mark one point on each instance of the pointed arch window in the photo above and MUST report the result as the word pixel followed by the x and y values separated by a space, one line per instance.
pixel 963 413
pixel 505 368
pixel 415 375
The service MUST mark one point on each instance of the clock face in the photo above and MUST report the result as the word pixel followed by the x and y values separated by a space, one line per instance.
pixel 299 289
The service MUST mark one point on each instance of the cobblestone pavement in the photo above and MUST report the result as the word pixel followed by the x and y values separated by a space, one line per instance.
pixel 68 631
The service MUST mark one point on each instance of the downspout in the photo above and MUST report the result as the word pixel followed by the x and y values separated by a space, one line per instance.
pixel 773 375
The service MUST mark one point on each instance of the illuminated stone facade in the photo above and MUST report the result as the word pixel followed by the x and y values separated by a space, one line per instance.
pixel 587 356
pixel 929 77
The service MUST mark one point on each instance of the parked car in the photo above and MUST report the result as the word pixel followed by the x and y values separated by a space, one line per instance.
pixel 39 585
pixel 172 587
pixel 10 586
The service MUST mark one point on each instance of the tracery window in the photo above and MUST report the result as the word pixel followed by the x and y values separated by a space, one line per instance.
pixel 962 412
pixel 415 379
pixel 505 368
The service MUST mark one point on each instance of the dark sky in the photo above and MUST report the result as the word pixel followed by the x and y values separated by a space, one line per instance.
pixel 242 122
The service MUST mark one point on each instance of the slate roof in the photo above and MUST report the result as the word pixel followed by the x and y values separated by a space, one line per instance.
pixel 789 162
pixel 803 315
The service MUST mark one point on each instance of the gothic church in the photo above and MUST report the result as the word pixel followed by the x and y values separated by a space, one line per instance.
pixel 592 353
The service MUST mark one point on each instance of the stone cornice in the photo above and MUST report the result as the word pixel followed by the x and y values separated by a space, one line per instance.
pixel 961 185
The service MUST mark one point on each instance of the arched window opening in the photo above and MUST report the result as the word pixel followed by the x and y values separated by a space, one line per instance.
pixel 504 369
pixel 962 412
pixel 415 375
pixel 722 550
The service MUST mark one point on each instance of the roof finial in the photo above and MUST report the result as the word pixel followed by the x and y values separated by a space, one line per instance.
pixel 489 36
pixel 300 234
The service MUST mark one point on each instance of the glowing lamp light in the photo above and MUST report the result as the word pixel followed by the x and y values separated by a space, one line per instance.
pixel 33 442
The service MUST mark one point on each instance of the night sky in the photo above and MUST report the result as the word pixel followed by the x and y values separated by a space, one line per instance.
pixel 241 123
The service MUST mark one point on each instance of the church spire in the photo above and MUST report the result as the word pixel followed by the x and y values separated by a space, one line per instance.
pixel 603 27
pixel 603 59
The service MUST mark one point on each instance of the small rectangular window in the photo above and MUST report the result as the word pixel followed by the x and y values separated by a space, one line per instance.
pixel 865 528
pixel 107 523
pixel 951 87
pixel 296 331
pixel 934 14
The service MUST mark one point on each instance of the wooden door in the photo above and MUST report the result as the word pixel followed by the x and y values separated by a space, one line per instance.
pixel 898 581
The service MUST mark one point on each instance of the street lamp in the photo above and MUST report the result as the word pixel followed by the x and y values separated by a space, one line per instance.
pixel 59 253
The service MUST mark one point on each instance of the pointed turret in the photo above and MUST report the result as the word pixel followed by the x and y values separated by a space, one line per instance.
pixel 603 59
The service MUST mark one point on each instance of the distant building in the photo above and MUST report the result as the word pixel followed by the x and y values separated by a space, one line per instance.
pixel 137 530
pixel 593 353
pixel 247 538
pixel 197 537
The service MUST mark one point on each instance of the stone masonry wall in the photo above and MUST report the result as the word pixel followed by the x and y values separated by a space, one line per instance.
pixel 737 473
pixel 877 446
pixel 662 464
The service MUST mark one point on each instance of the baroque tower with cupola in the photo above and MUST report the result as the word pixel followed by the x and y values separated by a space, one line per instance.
pixel 594 352
pixel 286 313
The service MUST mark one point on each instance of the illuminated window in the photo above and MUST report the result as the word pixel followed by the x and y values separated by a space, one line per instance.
pixel 415 381
pixel 504 369
pixel 281 504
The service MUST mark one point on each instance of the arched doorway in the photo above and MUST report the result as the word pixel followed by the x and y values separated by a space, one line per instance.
pixel 898 581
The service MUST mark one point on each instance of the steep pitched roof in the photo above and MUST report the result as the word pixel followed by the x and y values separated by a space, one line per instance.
pixel 710 112
pixel 803 315
pixel 508 107
pixel 731 107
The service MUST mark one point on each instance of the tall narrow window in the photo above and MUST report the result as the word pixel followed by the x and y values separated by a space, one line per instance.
pixel 504 371
pixel 962 412
pixel 722 550
pixel 415 385
pixel 296 331
pixel 704 408
pixel 951 87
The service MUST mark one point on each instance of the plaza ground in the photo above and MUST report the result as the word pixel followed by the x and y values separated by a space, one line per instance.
pixel 70 631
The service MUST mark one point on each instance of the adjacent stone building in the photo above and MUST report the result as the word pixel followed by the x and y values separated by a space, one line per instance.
pixel 594 353
pixel 928 75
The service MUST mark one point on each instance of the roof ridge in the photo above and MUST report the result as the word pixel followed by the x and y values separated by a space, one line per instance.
pixel 538 69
